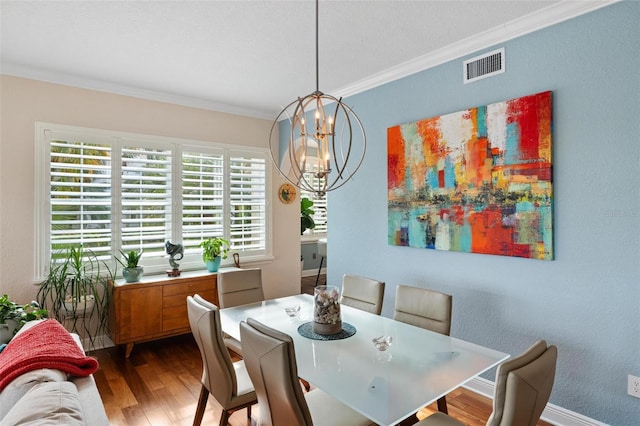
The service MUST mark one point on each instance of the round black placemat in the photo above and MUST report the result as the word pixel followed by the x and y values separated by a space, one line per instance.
pixel 306 330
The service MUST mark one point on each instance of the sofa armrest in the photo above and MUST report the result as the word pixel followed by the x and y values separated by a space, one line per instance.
pixel 88 395
pixel 91 402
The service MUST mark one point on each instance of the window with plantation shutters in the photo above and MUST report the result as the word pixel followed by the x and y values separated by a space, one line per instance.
pixel 80 194
pixel 202 197
pixel 145 197
pixel 247 196
pixel 112 191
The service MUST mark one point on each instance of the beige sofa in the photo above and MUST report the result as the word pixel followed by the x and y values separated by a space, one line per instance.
pixel 48 397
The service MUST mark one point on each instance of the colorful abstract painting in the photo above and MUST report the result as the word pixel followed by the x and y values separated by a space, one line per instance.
pixel 474 181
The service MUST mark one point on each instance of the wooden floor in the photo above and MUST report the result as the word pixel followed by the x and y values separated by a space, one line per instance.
pixel 160 383
pixel 309 282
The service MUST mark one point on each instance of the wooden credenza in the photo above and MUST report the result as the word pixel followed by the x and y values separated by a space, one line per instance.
pixel 156 307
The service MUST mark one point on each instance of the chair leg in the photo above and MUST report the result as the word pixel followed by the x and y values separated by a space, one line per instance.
pixel 224 419
pixel 442 405
pixel 202 404
pixel 249 412
pixel 319 269
pixel 409 421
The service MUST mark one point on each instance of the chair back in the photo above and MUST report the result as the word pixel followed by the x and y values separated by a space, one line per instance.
pixel 362 293
pixel 240 287
pixel 218 374
pixel 423 308
pixel 523 386
pixel 271 363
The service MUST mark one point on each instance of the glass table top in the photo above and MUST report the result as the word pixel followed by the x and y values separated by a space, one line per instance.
pixel 387 386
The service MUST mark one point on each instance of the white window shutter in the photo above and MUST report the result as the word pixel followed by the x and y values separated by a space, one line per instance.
pixel 247 202
pixel 145 198
pixel 202 197
pixel 80 198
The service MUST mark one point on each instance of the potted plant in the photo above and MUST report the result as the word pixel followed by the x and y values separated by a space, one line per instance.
pixel 8 319
pixel 14 316
pixel 306 215
pixel 131 272
pixel 213 251
pixel 76 291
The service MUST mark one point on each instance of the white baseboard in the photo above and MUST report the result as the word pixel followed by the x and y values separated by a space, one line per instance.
pixel 553 414
pixel 99 342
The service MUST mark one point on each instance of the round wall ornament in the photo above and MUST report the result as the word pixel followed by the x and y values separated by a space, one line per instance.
pixel 287 193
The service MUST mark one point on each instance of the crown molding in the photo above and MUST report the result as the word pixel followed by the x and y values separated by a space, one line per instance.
pixel 551 15
pixel 119 89
pixel 546 17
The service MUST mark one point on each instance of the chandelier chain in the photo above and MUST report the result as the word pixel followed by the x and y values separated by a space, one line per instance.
pixel 317 49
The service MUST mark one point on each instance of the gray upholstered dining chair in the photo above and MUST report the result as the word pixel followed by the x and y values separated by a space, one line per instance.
pixel 271 361
pixel 522 389
pixel 426 309
pixel 227 381
pixel 362 293
pixel 239 287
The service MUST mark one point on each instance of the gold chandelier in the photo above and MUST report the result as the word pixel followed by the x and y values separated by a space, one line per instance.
pixel 322 153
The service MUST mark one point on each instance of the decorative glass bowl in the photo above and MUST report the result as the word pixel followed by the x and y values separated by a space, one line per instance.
pixel 292 311
pixel 382 343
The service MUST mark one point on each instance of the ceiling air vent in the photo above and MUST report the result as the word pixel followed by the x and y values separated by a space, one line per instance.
pixel 483 66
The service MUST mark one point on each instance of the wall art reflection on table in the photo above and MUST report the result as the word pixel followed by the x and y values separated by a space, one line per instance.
pixel 475 181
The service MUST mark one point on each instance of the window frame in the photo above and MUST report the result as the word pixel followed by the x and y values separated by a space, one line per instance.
pixel 192 258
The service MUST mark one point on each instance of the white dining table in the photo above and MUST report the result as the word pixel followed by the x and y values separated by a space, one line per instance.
pixel 386 386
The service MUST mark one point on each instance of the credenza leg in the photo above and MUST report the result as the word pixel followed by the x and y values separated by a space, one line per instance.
pixel 128 350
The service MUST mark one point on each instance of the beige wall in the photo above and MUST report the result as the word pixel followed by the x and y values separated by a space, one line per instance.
pixel 24 102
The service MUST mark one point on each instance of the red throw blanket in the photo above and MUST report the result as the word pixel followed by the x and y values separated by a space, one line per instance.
pixel 46 345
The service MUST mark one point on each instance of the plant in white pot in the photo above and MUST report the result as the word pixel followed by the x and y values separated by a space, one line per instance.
pixel 131 271
pixel 213 251
pixel 76 291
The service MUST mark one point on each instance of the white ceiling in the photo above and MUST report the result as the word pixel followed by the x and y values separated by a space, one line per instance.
pixel 253 57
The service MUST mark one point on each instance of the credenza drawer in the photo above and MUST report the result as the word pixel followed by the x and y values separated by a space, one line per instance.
pixel 174 312
pixel 189 287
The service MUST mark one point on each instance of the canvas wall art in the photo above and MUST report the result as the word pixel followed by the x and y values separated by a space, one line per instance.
pixel 475 181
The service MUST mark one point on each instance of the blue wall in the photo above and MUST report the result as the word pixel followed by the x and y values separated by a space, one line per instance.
pixel 586 301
